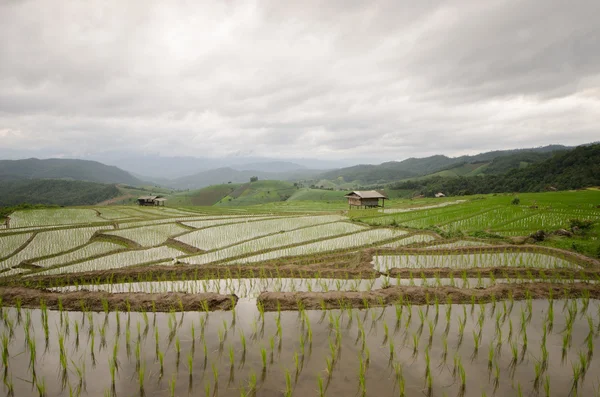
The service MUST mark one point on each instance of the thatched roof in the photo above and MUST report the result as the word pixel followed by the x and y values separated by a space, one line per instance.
pixel 366 194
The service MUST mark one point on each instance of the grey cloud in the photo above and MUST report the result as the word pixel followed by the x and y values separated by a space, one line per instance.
pixel 373 80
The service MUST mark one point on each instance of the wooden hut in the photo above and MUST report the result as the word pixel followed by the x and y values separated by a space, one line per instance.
pixel 151 200
pixel 365 199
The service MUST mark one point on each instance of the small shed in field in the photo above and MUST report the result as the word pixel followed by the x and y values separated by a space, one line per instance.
pixel 366 199
pixel 151 200
pixel 440 194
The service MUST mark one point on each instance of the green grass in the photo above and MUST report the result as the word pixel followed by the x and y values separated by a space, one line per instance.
pixel 493 214
pixel 306 194
pixel 207 196
pixel 258 193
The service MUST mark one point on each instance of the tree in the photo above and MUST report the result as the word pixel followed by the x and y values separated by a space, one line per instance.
pixel 253 178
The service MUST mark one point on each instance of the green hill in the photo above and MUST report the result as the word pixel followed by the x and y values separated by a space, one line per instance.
pixel 69 169
pixel 496 162
pixel 55 192
pixel 259 192
pixel 207 196
pixel 573 169
pixel 306 194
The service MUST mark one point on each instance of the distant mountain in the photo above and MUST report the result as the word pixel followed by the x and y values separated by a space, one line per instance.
pixel 367 174
pixel 52 191
pixel 226 174
pixel 270 166
pixel 69 169
pixel 157 167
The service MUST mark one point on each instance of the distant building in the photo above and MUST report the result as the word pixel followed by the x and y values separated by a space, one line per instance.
pixel 365 199
pixel 151 200
pixel 440 194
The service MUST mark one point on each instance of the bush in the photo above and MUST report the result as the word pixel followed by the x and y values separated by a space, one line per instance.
pixel 516 201
pixel 582 224
pixel 484 234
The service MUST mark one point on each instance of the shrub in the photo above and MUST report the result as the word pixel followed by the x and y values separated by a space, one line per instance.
pixel 582 224
pixel 516 201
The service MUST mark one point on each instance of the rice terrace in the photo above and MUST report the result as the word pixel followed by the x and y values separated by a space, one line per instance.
pixel 425 297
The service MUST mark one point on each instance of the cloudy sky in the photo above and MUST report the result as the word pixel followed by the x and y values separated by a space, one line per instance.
pixel 370 80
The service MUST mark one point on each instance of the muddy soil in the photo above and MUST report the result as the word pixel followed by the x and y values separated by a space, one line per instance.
pixel 96 301
pixel 272 301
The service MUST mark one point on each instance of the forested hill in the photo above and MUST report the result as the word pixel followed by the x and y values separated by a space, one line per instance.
pixel 57 192
pixel 574 169
pixel 72 169
pixel 392 171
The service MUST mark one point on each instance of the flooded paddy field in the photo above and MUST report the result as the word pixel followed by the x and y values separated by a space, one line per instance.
pixel 153 302
pixel 534 346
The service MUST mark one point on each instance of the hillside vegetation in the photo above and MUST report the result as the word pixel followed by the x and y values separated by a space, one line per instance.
pixel 55 192
pixel 259 192
pixel 574 169
pixel 494 162
pixel 207 196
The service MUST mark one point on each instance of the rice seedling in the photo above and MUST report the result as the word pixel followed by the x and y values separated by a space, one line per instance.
pixel 172 384
pixel 288 384
pixel 491 351
pixel 415 345
pixel 444 349
pixel 320 389
pixel 463 378
pixel 41 387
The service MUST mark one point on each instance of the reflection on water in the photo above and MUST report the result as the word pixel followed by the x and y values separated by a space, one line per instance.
pixel 221 353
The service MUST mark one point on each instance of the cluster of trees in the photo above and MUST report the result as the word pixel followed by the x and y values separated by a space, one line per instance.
pixel 574 169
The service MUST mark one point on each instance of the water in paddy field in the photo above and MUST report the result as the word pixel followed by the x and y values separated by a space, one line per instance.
pixel 335 346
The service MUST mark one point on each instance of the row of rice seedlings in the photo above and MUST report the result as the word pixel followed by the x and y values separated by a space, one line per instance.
pixel 222 236
pixel 51 243
pixel 252 287
pixel 277 240
pixel 10 243
pixel 210 221
pixel 51 217
pixel 470 260
pixel 334 325
pixel 148 236
pixel 89 250
pixel 358 239
pixel 498 311
pixel 118 260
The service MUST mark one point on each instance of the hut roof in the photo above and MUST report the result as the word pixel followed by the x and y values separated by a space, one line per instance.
pixel 366 194
pixel 148 198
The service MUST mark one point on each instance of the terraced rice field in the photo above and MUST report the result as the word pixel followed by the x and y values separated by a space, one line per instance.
pixel 174 302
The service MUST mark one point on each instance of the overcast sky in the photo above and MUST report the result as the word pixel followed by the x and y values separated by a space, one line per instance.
pixel 371 80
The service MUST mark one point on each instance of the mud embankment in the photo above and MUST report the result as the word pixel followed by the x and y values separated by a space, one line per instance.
pixel 105 301
pixel 272 301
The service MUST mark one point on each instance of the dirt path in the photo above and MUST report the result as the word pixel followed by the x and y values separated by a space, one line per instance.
pixel 115 199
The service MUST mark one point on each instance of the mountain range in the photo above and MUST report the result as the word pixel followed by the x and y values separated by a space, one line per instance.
pixel 20 179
